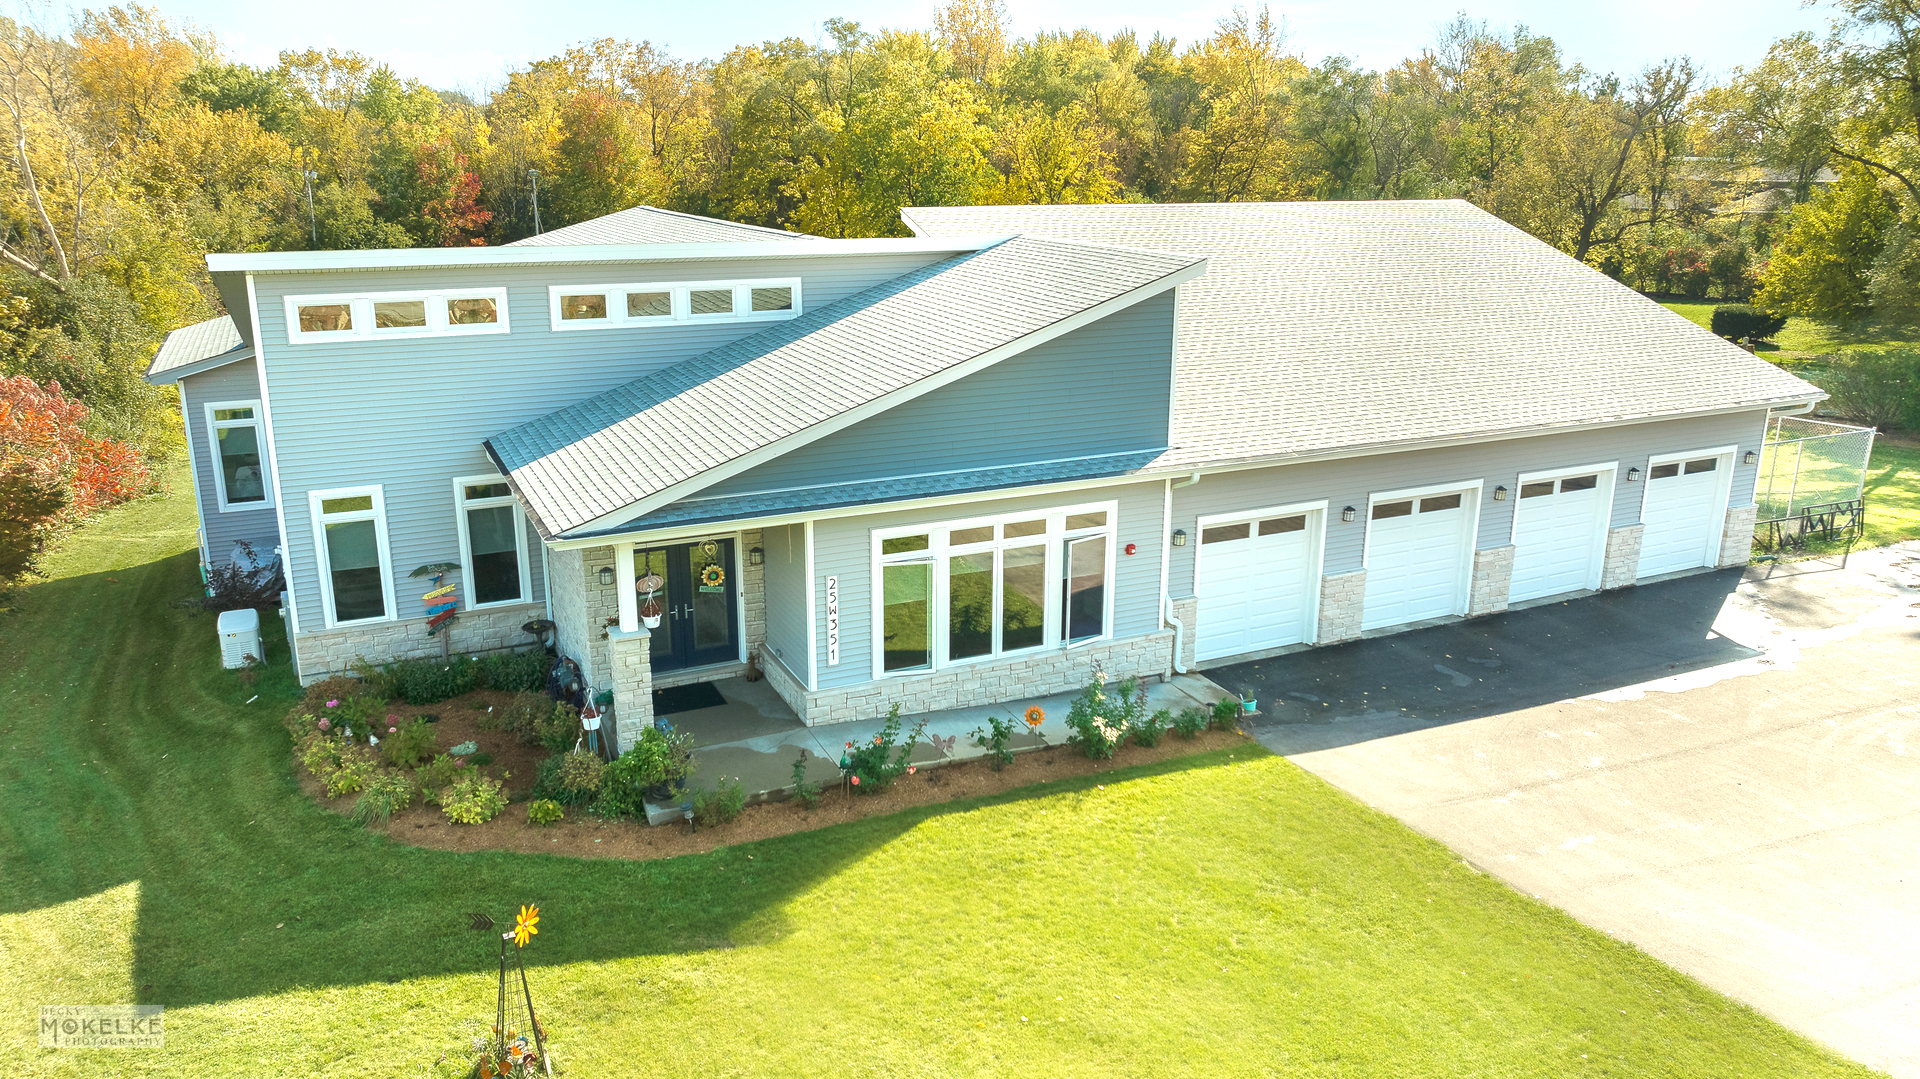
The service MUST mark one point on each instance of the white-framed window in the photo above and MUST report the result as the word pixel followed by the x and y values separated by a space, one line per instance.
pixel 356 566
pixel 361 315
pixel 238 442
pixel 600 307
pixel 965 591
pixel 493 543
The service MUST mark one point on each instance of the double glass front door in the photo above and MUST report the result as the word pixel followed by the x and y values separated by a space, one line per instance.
pixel 699 620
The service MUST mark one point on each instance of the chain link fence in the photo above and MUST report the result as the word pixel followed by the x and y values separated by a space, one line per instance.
pixel 1811 470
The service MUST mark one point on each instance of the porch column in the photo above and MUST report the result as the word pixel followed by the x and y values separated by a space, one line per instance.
pixel 623 587
pixel 632 675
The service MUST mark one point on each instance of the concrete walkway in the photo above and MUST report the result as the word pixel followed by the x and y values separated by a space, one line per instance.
pixel 1723 769
pixel 755 739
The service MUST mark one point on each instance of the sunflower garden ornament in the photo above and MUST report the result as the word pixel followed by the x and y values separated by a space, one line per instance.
pixel 526 926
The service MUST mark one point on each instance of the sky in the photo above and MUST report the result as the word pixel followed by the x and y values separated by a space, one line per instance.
pixel 473 49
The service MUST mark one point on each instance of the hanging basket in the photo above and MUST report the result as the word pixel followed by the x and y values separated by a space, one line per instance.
pixel 651 621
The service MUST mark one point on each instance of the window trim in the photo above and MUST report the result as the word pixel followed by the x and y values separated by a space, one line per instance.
pixel 323 560
pixel 259 425
pixel 362 305
pixel 461 504
pixel 1053 540
pixel 680 292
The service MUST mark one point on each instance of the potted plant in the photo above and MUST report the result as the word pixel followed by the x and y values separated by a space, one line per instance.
pixel 650 612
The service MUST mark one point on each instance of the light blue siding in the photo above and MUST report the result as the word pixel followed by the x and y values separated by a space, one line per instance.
pixel 410 414
pixel 786 588
pixel 1103 388
pixel 1349 481
pixel 843 548
pixel 238 381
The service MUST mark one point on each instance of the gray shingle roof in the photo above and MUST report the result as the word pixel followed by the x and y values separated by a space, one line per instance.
pixel 1322 326
pixel 640 440
pixel 648 225
pixel 189 346
pixel 895 489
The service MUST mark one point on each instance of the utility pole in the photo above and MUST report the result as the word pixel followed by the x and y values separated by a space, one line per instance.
pixel 534 174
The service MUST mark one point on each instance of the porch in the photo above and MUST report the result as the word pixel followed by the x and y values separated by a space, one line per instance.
pixel 753 738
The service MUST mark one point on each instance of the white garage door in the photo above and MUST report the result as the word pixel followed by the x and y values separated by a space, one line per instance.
pixel 1684 516
pixel 1557 537
pixel 1417 550
pixel 1255 582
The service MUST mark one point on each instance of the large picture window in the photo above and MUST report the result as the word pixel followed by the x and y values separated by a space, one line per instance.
pixel 493 542
pixel 356 569
pixel 969 590
pixel 238 445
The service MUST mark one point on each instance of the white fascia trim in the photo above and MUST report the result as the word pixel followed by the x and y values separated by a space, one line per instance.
pixel 307 261
pixel 172 375
pixel 273 461
pixel 862 510
pixel 878 405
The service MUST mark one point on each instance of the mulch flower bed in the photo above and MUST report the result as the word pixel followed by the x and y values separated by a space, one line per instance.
pixel 583 836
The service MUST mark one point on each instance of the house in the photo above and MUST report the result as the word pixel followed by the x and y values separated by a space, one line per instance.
pixel 966 466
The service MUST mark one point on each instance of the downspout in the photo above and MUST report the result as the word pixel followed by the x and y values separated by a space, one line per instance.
pixel 1166 555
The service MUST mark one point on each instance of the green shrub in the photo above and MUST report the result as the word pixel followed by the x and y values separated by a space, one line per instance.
pixel 1100 721
pixel 661 756
pixel 516 672
pixel 355 770
pixel 439 774
pixel 1191 721
pixel 1880 387
pixel 719 805
pixel 408 743
pixel 420 681
pixel 1226 714
pixel 544 811
pixel 474 799
pixel 387 793
pixel 994 738
pixel 569 778
pixel 873 766
pixel 1740 322
pixel 521 715
pixel 558 730
pixel 1148 731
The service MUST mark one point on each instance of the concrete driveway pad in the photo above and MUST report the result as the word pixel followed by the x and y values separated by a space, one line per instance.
pixel 1723 769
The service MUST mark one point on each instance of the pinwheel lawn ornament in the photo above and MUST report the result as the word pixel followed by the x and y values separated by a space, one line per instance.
pixel 509 1056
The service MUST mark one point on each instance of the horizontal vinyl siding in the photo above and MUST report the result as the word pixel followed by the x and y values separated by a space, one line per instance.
pixel 786 588
pixel 410 414
pixel 1349 482
pixel 843 547
pixel 1103 388
pixel 237 381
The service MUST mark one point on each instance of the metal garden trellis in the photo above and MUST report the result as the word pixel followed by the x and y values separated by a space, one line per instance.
pixel 1811 483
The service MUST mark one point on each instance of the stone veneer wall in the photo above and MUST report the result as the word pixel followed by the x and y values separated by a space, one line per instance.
pixel 1038 675
pixel 1622 566
pixel 630 671
pixel 1492 581
pixel 331 652
pixel 791 687
pixel 1736 542
pixel 1342 598
pixel 1187 610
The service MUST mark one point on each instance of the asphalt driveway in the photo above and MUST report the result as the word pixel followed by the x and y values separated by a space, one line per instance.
pixel 1723 769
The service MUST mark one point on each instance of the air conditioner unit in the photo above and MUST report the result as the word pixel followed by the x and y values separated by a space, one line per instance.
pixel 239 637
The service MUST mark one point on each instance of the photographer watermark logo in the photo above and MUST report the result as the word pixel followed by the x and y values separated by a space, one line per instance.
pixel 101 1026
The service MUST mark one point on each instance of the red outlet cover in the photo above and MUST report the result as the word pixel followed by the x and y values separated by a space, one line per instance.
pixel 1131 548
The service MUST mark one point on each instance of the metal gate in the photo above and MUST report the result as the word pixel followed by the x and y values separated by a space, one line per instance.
pixel 1812 474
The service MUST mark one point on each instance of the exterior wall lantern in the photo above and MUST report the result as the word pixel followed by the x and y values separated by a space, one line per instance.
pixel 1751 458
pixel 756 556
pixel 1633 475
pixel 606 576
pixel 1179 537
pixel 1499 494
pixel 1346 514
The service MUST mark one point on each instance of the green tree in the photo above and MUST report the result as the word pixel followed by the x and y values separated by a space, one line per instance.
pixel 1820 265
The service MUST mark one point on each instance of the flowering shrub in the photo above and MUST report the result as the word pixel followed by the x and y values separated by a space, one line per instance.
pixel 1101 720
pixel 1148 731
pixel 406 743
pixel 355 770
pixel 544 811
pixel 873 766
pixel 51 473
pixel 474 799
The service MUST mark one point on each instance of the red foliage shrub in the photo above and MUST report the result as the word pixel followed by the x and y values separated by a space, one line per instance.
pixel 51 472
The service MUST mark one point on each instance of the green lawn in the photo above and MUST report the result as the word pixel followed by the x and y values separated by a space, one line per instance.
pixel 1805 336
pixel 1225 914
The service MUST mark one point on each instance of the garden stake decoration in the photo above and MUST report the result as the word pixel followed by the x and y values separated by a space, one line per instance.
pixel 441 603
pixel 509 1055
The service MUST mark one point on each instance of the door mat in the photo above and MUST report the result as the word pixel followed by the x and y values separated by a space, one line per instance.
pixel 686 698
